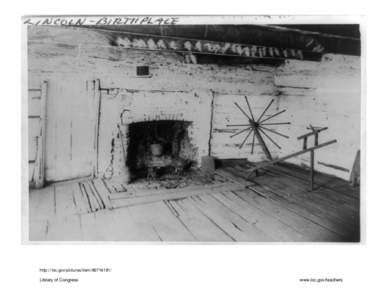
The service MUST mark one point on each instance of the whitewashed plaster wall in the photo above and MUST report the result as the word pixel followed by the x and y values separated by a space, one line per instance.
pixel 326 93
pixel 323 93
pixel 68 58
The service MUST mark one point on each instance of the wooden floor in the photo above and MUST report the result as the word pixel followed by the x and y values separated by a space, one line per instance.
pixel 276 206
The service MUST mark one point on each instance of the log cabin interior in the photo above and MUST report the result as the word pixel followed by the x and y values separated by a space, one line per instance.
pixel 194 133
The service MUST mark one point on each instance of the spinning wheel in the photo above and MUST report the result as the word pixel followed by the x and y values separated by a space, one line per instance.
pixel 259 129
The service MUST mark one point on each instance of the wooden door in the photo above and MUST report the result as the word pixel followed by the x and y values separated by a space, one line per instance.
pixel 71 129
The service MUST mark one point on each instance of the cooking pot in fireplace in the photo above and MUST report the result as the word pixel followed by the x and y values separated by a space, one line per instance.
pixel 156 149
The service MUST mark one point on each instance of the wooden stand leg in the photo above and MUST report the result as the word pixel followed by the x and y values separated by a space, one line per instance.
pixel 312 169
pixel 355 174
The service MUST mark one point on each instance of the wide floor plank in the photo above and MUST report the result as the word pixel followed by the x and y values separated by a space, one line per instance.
pixel 116 225
pixel 235 226
pixel 266 223
pixel 273 207
pixel 64 228
pixel 163 221
pixel 42 203
pixel 201 227
pixel 38 230
pixel 311 231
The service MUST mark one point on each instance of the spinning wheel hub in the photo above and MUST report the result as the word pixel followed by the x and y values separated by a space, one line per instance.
pixel 253 123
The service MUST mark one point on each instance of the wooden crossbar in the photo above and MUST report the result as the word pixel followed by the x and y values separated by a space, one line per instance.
pixel 312 133
pixel 268 163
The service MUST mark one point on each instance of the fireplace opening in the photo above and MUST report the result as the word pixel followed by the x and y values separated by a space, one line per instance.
pixel 159 148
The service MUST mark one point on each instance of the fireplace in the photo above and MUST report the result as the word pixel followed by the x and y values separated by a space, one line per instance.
pixel 148 134
pixel 157 148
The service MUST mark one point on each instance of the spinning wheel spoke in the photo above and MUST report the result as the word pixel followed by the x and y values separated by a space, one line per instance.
pixel 275 132
pixel 268 137
pixel 233 125
pixel 281 123
pixel 242 110
pixel 241 131
pixel 262 114
pixel 280 112
pixel 242 144
pixel 249 107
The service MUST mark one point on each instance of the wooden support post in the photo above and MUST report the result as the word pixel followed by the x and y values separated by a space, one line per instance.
pixel 41 149
pixel 305 143
pixel 312 169
pixel 312 133
pixel 98 99
pixel 355 174
pixel 95 98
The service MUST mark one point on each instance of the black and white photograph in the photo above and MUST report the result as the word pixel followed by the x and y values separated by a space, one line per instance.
pixel 193 150
pixel 213 130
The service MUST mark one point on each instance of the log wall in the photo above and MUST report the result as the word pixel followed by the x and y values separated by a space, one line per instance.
pixel 323 94
pixel 70 59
